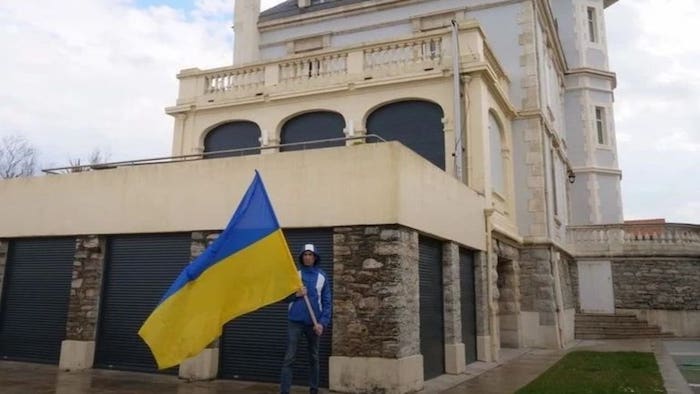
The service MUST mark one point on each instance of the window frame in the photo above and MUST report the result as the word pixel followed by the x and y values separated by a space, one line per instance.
pixel 592 23
pixel 600 125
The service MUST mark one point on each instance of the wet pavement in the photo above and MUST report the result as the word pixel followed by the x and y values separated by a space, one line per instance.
pixel 686 357
pixel 509 377
pixel 26 378
pixel 677 361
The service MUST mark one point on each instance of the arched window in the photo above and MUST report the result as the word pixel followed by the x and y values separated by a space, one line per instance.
pixel 233 135
pixel 496 144
pixel 313 126
pixel 416 124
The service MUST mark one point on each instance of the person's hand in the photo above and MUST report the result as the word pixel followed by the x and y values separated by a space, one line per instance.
pixel 301 292
pixel 318 329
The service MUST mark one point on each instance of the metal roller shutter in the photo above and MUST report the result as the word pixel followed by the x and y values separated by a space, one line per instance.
pixel 233 135
pixel 313 126
pixel 253 346
pixel 432 334
pixel 468 301
pixel 416 124
pixel 35 299
pixel 139 269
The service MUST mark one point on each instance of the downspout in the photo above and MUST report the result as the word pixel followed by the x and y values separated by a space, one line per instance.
pixel 457 103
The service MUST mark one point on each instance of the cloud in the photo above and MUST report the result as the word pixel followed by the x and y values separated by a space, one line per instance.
pixel 98 73
pixel 657 109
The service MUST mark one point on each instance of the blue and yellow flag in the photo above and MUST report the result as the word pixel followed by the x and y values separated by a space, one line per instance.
pixel 247 267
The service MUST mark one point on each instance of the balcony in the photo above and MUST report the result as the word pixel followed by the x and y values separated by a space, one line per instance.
pixel 668 239
pixel 309 188
pixel 423 55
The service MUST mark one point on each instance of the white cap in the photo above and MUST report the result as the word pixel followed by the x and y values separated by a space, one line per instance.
pixel 310 248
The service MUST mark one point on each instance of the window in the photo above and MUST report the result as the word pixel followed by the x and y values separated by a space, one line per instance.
pixel 553 174
pixel 495 136
pixel 600 124
pixel 592 25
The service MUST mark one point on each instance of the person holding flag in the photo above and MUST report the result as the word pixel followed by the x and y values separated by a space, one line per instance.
pixel 312 300
pixel 247 267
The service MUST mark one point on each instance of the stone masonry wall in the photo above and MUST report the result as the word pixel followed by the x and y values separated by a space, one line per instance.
pixel 567 283
pixel 451 284
pixel 4 246
pixel 573 274
pixel 200 241
pixel 376 299
pixel 508 271
pixel 670 284
pixel 86 286
pixel 537 284
pixel 480 286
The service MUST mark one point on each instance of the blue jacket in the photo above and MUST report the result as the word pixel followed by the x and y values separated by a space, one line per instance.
pixel 319 291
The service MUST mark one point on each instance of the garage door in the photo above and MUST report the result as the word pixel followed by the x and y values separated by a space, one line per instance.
pixel 253 346
pixel 432 334
pixel 35 299
pixel 138 271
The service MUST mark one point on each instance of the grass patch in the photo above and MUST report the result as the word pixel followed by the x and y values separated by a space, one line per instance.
pixel 600 372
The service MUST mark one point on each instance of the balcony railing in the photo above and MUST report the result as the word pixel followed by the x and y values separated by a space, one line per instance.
pixel 634 240
pixel 415 55
pixel 313 68
pixel 243 79
pixel 407 56
pixel 313 144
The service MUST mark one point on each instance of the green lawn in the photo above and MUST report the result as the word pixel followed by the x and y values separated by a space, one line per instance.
pixel 600 372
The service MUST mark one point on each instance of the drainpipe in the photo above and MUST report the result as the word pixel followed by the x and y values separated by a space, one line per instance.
pixel 457 103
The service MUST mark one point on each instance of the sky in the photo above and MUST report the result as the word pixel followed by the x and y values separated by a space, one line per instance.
pixel 80 75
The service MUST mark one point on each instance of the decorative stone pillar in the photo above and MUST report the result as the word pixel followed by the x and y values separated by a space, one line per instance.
pixel 538 303
pixel 205 365
pixel 564 297
pixel 179 134
pixel 483 322
pixel 376 322
pixel 455 359
pixel 508 269
pixel 78 349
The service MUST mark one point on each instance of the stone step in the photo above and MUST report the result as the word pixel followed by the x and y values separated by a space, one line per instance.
pixel 615 330
pixel 623 336
pixel 588 317
pixel 627 324
pixel 590 326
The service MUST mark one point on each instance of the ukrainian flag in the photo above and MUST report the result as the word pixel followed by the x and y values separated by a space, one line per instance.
pixel 246 268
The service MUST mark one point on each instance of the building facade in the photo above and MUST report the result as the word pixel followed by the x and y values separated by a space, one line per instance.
pixel 454 160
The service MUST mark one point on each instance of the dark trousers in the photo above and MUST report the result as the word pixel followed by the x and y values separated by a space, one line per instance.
pixel 295 332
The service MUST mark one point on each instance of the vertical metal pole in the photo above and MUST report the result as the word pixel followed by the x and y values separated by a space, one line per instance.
pixel 457 103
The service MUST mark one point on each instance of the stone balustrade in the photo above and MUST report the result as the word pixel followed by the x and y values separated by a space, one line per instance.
pixel 402 58
pixel 668 239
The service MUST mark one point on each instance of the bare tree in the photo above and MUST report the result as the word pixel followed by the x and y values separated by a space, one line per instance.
pixel 96 157
pixel 17 157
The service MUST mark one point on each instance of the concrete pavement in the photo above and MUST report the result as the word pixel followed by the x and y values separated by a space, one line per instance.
pixel 517 368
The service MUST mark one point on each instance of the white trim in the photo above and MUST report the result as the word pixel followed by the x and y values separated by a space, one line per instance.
pixel 320 282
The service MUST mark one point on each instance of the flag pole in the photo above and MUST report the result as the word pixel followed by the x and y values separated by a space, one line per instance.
pixel 311 310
